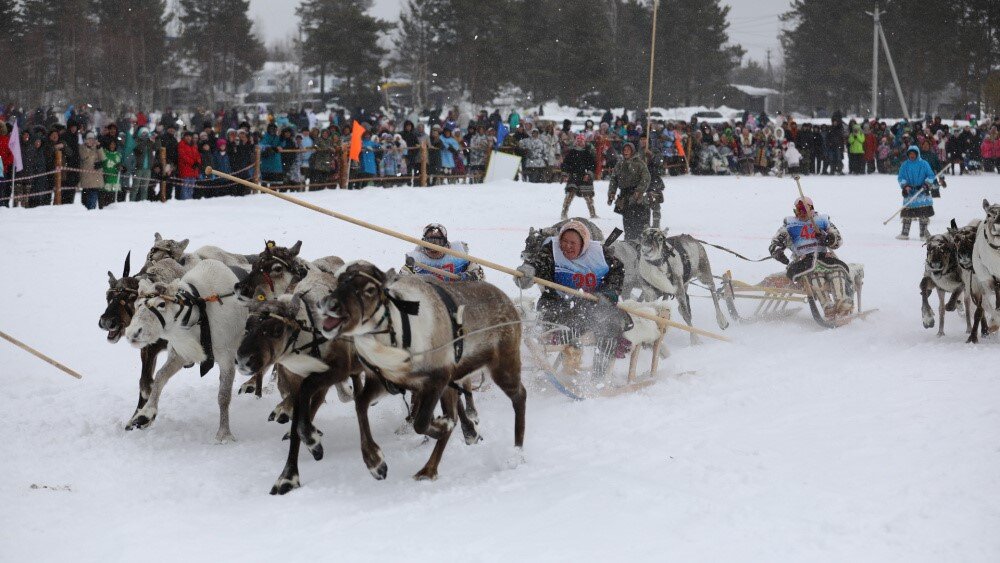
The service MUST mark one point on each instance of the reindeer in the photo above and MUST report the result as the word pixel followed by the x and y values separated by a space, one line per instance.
pixel 279 331
pixel 965 241
pixel 120 297
pixel 986 263
pixel 942 272
pixel 201 321
pixel 277 270
pixel 400 329
pixel 167 248
pixel 668 264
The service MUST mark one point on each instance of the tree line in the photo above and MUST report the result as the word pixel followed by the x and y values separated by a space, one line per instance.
pixel 934 44
pixel 139 52
pixel 121 52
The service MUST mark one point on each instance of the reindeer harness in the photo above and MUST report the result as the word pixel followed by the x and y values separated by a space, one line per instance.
pixel 189 300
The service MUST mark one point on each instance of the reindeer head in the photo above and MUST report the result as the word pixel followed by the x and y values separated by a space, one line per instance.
pixel 275 270
pixel 992 222
pixel 156 312
pixel 653 245
pixel 120 297
pixel 940 253
pixel 270 326
pixel 165 248
pixel 353 306
pixel 965 240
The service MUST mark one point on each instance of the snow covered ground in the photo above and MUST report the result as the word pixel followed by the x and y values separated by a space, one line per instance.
pixel 874 442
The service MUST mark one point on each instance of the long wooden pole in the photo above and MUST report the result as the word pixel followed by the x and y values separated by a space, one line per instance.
pixel 499 267
pixel 38 354
pixel 57 190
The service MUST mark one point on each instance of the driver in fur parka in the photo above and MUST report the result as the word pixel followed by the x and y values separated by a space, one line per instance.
pixel 811 237
pixel 573 259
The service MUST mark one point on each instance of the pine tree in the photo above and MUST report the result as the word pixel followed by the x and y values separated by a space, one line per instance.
pixel 218 38
pixel 12 55
pixel 693 54
pixel 132 35
pixel 420 43
pixel 340 37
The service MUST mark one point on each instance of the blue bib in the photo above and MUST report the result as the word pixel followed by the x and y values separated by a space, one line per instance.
pixel 586 272
pixel 804 235
pixel 447 262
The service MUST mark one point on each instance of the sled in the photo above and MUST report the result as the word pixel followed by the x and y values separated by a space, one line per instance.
pixel 776 294
pixel 552 362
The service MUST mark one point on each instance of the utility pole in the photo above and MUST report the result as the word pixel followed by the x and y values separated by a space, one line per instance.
pixel 770 74
pixel 877 33
pixel 875 15
pixel 652 55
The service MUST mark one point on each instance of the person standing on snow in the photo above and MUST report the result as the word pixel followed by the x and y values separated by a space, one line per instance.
pixel 578 166
pixel 916 179
pixel 629 182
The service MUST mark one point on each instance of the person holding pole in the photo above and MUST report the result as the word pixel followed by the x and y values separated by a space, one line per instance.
pixel 812 237
pixel 424 261
pixel 917 181
pixel 574 260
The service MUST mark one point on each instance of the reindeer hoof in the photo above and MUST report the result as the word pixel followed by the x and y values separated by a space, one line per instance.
pixel 287 436
pixel 224 437
pixel 471 439
pixel 140 422
pixel 426 475
pixel 271 417
pixel 249 388
pixel 283 418
pixel 284 485
pixel 316 451
pixel 928 323
pixel 380 471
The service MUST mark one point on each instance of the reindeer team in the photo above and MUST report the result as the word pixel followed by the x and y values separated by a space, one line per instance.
pixel 368 332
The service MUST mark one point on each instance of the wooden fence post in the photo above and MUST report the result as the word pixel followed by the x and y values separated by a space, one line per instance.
pixel 163 174
pixel 256 164
pixel 345 165
pixel 423 164
pixel 57 193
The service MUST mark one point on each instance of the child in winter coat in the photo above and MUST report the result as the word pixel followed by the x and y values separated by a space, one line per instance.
pixel 112 168
pixel 793 158
pixel 882 156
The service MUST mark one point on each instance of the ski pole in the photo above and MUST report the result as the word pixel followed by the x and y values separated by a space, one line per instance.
pixel 905 203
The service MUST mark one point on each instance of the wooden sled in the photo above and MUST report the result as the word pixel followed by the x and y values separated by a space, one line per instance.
pixel 775 295
pixel 559 366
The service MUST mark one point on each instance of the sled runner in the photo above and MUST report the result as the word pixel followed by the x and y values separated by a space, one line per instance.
pixel 565 368
pixel 776 295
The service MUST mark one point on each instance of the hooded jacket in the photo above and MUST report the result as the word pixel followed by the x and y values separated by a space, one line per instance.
pixel 914 174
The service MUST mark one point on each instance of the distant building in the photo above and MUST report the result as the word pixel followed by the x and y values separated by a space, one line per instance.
pixel 756 99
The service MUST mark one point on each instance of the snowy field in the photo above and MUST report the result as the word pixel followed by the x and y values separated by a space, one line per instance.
pixel 874 442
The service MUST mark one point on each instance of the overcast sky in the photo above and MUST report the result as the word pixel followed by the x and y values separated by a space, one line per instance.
pixel 753 23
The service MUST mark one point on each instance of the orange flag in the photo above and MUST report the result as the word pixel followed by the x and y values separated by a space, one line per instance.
pixel 357 135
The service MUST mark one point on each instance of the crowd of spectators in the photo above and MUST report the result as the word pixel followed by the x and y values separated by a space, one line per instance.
pixel 142 156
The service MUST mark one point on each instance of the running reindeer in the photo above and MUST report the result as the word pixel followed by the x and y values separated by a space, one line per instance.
pixel 965 242
pixel 986 264
pixel 400 328
pixel 200 321
pixel 942 272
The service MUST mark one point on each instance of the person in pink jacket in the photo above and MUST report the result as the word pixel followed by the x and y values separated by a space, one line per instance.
pixel 990 150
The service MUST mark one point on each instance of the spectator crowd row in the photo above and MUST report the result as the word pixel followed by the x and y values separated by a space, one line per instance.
pixel 159 156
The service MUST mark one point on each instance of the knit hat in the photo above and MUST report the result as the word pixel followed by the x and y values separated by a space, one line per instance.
pixel 220 144
pixel 580 228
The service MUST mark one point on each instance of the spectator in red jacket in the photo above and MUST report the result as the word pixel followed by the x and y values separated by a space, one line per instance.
pixel 870 145
pixel 188 165
pixel 7 158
